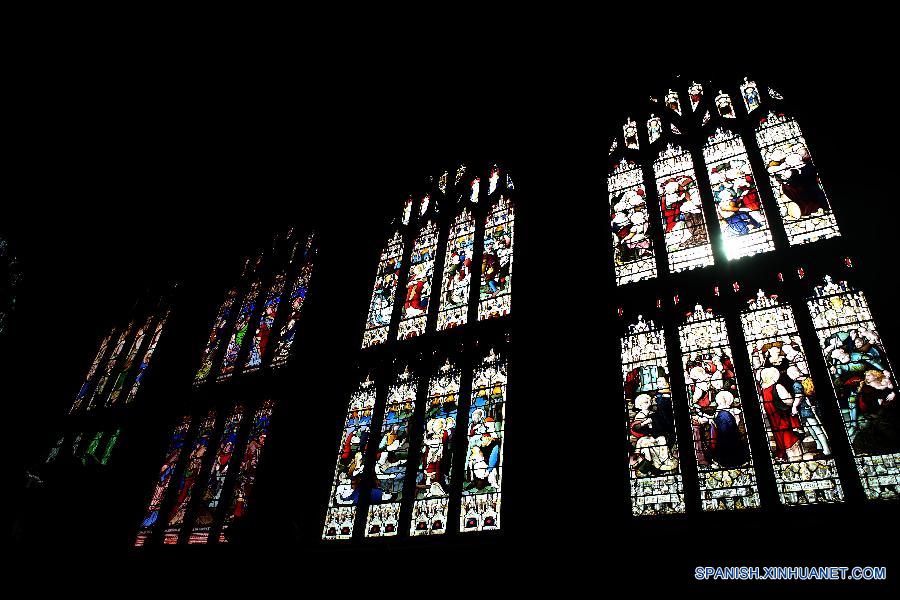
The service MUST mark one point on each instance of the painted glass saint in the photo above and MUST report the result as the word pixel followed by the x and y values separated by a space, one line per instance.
pixel 145 361
pixel 414 315
pixel 497 261
pixel 454 304
pixel 241 327
pixel 177 440
pixel 216 336
pixel 382 304
pixel 630 223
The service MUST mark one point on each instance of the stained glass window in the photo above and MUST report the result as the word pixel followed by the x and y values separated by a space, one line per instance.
pixel 166 473
pixel 686 234
pixel 55 450
pixel 724 105
pixel 216 336
pixel 414 316
pixel 630 223
pixel 433 478
pixel 442 182
pixel 745 229
pixel 454 304
pixel 805 472
pixel 145 361
pixel 111 442
pixel 696 94
pixel 288 331
pixel 110 367
pixel 654 128
pixel 407 211
pixel 631 135
pixel 718 425
pixel 672 103
pixel 482 477
pixel 125 371
pixel 863 383
pixel 348 471
pixel 195 459
pixel 241 327
pixel 382 304
pixel 497 261
pixel 653 460
pixel 392 457
pixel 246 475
pixel 750 94
pixel 475 188
pixel 795 181
pixel 90 451
pixel 89 378
pixel 494 179
pixel 215 483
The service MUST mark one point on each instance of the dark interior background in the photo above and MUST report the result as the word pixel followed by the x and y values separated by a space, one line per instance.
pixel 127 174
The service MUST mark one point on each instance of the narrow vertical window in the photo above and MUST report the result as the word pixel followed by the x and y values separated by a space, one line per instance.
pixel 199 450
pixel 863 382
pixel 110 446
pixel 173 455
pixel 382 304
pixel 246 476
pixel 433 478
pixel 482 477
pixel 805 472
pixel 745 229
pixel 350 466
pixel 110 367
pixel 418 285
pixel 454 306
pixel 718 425
pixel 125 371
pixel 497 260
pixel 795 181
pixel 264 328
pixel 145 361
pixel 653 461
pixel 686 234
pixel 216 336
pixel 215 483
pixel 241 326
pixel 288 330
pixel 632 246
pixel 392 457
pixel 89 378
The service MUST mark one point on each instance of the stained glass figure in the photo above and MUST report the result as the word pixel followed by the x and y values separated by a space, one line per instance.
pixel 199 450
pixel 482 476
pixel 442 182
pixel 288 332
pixel 111 443
pixel 475 189
pixel 795 181
pixel 454 303
pixel 241 327
pixel 629 221
pixel 55 450
pixel 392 457
pixel 672 103
pixel 382 305
pixel 725 106
pixel 215 483
pixel 125 371
pixel 110 367
pixel 718 426
pixel 89 378
pixel 494 179
pixel 631 135
pixel 407 211
pixel 263 332
pixel 423 206
pixel 497 261
pixel 246 475
pixel 433 476
pixel 414 316
pixel 863 382
pixel 653 461
pixel 166 473
pixel 350 466
pixel 742 220
pixel 90 451
pixel 613 147
pixel 800 450
pixel 654 128
pixel 695 92
pixel 509 182
pixel 216 336
pixel 686 234
pixel 750 94
pixel 145 361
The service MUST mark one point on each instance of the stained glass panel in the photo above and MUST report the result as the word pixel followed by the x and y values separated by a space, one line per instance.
pixel 89 378
pixel 199 450
pixel 863 383
pixel 166 473
pixel 382 305
pixel 725 106
pixel 696 94
pixel 686 234
pixel 745 229
pixel 494 179
pixel 246 475
pixel 718 426
pixel 454 306
pixel 414 316
pixel 433 477
pixel 288 331
pixel 654 128
pixel 653 461
pixel 392 458
pixel 111 443
pixel 110 367
pixel 630 131
pixel 805 472
pixel 145 361
pixel 497 261
pixel 241 327
pixel 125 371
pixel 632 246
pixel 216 336
pixel 264 327
pixel 350 466
pixel 795 181
pixel 750 94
